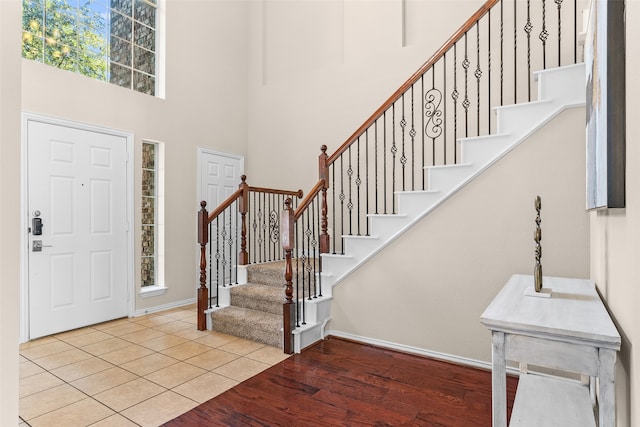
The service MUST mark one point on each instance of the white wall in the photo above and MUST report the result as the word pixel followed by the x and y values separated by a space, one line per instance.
pixel 10 31
pixel 318 69
pixel 615 244
pixel 429 287
pixel 205 106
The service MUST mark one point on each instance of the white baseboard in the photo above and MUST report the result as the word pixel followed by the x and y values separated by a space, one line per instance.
pixel 419 351
pixel 162 307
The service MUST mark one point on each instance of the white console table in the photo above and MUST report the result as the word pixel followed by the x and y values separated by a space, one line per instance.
pixel 570 331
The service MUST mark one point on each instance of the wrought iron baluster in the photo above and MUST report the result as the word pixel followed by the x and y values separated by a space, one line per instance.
pixel 303 260
pixel 211 268
pixel 333 191
pixel 297 296
pixel 350 200
pixel 515 52
pixel 444 107
pixel 366 174
pixel 217 251
pixel 455 94
pixel 236 252
pixel 318 277
pixel 342 197
pixel 544 34
pixel 559 4
pixel 314 243
pixel 478 74
pixel 422 133
pixel 232 214
pixel 358 181
pixel 502 52
pixel 465 102
pixel 489 74
pixel 394 150
pixel 265 213
pixel 433 128
pixel 375 162
pixel 575 31
pixel 308 234
pixel 527 29
pixel 412 134
pixel 384 157
pixel 403 157
pixel 223 235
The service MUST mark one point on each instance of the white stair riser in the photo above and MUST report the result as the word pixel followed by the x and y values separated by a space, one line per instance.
pixel 413 204
pixel 520 119
pixel 566 84
pixel 387 226
pixel 481 151
pixel 446 178
pixel 316 309
pixel 360 247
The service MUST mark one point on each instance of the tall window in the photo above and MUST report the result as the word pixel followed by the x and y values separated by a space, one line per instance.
pixel 111 40
pixel 149 261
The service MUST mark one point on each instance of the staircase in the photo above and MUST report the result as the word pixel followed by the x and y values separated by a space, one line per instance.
pixel 409 156
pixel 255 308
pixel 558 89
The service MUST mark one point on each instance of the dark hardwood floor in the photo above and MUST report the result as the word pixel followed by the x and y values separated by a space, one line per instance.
pixel 342 383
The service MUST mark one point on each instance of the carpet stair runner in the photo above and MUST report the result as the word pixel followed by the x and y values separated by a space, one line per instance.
pixel 255 312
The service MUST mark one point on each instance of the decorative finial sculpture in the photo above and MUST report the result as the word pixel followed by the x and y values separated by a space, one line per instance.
pixel 537 236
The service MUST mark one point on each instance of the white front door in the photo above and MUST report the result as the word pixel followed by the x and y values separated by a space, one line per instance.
pixel 77 266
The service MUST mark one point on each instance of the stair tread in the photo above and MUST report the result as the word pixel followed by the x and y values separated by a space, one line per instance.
pixel 259 290
pixel 249 324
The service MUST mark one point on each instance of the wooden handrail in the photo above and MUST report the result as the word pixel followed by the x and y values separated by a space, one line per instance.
pixel 413 79
pixel 297 193
pixel 224 205
pixel 307 200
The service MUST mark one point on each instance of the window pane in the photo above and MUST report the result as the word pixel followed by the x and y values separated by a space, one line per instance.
pixel 148 240
pixel 144 36
pixel 123 6
pixel 120 51
pixel 144 83
pixel 148 156
pixel 144 60
pixel 145 13
pixel 148 271
pixel 148 183
pixel 148 210
pixel 121 26
pixel 120 75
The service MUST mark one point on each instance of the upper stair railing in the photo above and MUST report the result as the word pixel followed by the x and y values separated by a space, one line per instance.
pixel 242 230
pixel 488 62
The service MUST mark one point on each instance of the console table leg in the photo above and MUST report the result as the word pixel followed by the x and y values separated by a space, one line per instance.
pixel 607 398
pixel 498 380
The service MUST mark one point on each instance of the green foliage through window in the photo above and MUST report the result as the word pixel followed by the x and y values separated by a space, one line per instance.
pixel 111 40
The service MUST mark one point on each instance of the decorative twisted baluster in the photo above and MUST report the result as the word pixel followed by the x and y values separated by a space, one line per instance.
pixel 537 271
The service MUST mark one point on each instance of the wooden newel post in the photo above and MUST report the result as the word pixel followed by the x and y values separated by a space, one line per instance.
pixel 243 256
pixel 287 232
pixel 203 239
pixel 323 174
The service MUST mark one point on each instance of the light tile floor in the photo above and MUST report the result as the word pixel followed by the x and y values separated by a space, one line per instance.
pixel 141 371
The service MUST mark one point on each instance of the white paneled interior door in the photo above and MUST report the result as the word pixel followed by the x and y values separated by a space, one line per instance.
pixel 219 178
pixel 78 260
